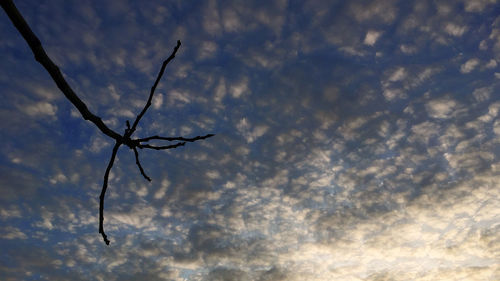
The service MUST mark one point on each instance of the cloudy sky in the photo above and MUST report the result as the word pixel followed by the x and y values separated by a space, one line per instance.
pixel 355 140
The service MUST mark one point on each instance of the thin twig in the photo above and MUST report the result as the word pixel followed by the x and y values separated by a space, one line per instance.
pixel 153 88
pixel 139 164
pixel 161 147
pixel 103 192
pixel 175 138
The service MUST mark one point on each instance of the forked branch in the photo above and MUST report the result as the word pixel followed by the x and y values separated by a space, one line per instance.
pixel 42 57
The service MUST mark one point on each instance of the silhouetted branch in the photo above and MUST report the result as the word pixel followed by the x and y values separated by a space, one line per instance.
pixel 175 138
pixel 103 192
pixel 161 147
pixel 40 56
pixel 139 164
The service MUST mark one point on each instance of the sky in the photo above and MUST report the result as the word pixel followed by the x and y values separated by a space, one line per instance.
pixel 355 140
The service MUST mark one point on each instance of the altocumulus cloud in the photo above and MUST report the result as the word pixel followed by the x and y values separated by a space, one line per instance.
pixel 356 140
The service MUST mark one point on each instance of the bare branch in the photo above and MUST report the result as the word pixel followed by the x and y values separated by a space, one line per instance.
pixel 103 192
pixel 42 57
pixel 161 147
pixel 153 88
pixel 139 164
pixel 53 70
pixel 175 138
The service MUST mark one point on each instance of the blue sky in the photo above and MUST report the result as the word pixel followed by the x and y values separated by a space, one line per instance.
pixel 355 140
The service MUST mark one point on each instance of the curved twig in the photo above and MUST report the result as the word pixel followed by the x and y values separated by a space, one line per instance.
pixel 161 147
pixel 153 88
pixel 139 164
pixel 103 192
pixel 175 138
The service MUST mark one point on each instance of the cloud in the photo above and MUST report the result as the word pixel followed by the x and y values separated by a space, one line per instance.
pixel 40 108
pixel 477 5
pixel 424 131
pixel 157 101
pixel 469 65
pixel 249 133
pixel 160 193
pixel 491 64
pixel 482 94
pixel 382 10
pixel 10 232
pixel 207 50
pixel 455 30
pixel 239 88
pixel 137 217
pixel 371 37
pixel 441 108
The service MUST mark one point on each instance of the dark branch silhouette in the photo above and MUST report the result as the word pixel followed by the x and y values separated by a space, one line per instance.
pixel 42 57
pixel 103 192
pixel 139 164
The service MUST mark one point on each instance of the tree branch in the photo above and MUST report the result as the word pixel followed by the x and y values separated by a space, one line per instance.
pixel 139 164
pixel 42 57
pixel 103 192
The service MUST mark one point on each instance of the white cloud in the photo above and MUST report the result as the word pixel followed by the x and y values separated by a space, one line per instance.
pixel 408 49
pixel 138 217
pixel 59 178
pixel 40 108
pixel 455 30
pixel 211 20
pixel 239 88
pixel 424 131
pixel 46 222
pixel 391 94
pixel 98 143
pixel 477 5
pixel 178 98
pixel 483 45
pixel 213 174
pixel 385 11
pixel 231 20
pixel 160 193
pixel 496 127
pixel 250 134
pixel 482 94
pixel 371 37
pixel 491 64
pixel 10 232
pixel 220 90
pixel 157 101
pixel 398 75
pixel 207 50
pixel 469 66
pixel 112 91
pixel 441 108
pixel 13 212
